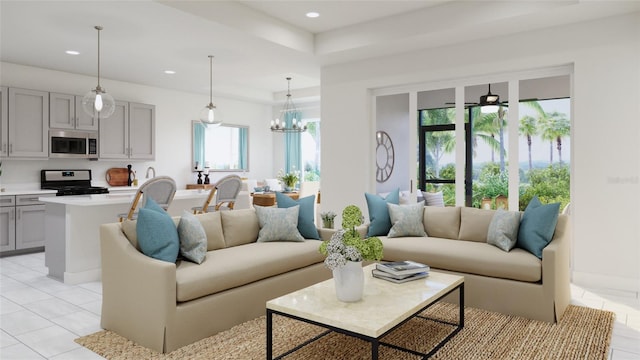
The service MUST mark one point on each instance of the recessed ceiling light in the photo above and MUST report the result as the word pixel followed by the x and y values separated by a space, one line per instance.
pixel 72 52
pixel 170 72
pixel 313 14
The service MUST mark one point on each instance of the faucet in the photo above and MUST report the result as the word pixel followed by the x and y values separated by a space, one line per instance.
pixel 152 169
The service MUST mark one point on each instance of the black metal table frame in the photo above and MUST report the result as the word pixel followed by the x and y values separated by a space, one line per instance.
pixel 375 342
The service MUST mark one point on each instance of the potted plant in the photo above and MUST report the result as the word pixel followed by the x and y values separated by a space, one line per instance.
pixel 345 252
pixel 327 219
pixel 288 180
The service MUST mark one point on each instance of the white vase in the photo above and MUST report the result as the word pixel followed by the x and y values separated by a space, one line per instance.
pixel 349 281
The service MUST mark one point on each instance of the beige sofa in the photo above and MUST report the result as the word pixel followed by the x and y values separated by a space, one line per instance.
pixel 164 306
pixel 514 282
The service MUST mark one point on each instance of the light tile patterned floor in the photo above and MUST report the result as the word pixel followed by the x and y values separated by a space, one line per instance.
pixel 40 317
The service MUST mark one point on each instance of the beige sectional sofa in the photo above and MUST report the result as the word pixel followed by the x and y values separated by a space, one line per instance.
pixel 164 306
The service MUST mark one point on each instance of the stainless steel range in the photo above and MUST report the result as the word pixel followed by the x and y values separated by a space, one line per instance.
pixel 69 182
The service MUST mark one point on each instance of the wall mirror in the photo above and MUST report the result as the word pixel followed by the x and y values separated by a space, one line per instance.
pixel 222 148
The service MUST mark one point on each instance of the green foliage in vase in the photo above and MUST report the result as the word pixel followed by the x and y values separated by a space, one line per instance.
pixel 347 244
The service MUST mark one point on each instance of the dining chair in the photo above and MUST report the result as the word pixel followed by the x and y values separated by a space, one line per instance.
pixel 161 189
pixel 225 193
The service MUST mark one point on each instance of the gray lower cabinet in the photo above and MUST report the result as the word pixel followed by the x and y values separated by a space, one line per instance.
pixel 23 222
pixel 129 133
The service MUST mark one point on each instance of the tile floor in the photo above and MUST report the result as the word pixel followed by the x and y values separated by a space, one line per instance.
pixel 40 317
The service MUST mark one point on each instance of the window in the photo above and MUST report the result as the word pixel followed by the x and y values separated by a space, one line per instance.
pixel 310 147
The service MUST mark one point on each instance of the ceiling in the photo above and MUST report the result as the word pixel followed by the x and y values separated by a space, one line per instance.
pixel 257 44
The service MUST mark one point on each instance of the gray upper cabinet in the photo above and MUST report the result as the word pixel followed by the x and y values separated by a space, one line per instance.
pixel 142 129
pixel 129 133
pixel 28 124
pixel 114 133
pixel 4 121
pixel 65 112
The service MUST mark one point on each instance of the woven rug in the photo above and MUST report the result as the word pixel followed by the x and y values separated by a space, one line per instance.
pixel 583 333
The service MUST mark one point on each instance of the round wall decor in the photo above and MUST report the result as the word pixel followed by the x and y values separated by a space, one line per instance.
pixel 385 156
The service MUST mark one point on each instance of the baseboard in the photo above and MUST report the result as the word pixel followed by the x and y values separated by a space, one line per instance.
pixel 82 277
pixel 599 281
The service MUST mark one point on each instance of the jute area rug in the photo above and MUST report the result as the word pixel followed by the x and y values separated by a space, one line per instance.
pixel 583 333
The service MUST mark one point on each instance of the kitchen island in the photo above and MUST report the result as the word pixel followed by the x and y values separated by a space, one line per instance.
pixel 72 223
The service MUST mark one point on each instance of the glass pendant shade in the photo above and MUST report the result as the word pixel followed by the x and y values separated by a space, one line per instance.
pixel 98 103
pixel 209 115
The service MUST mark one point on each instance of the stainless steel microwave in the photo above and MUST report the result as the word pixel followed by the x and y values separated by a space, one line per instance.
pixel 73 144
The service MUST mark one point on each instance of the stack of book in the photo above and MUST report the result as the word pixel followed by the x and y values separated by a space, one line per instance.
pixel 400 271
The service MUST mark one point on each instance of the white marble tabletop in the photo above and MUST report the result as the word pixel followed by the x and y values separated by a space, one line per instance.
pixel 384 304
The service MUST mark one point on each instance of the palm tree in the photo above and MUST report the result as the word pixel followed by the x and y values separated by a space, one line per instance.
pixel 438 143
pixel 486 127
pixel 561 128
pixel 528 129
pixel 546 125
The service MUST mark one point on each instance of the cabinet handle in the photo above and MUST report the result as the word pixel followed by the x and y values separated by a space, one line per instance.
pixel 18 211
pixel 4 147
pixel 10 148
pixel 29 199
pixel 13 214
pixel 5 200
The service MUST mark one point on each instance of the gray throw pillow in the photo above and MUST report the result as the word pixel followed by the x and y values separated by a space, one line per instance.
pixel 433 198
pixel 503 229
pixel 278 224
pixel 193 239
pixel 406 220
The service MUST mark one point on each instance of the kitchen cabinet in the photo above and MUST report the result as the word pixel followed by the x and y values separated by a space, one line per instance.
pixel 65 112
pixel 129 133
pixel 23 222
pixel 28 123
pixel 4 121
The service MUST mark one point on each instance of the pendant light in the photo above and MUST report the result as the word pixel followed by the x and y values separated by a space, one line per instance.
pixel 489 102
pixel 208 114
pixel 97 102
pixel 288 109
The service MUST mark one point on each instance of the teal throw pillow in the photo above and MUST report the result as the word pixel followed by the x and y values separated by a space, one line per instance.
pixel 406 220
pixel 193 239
pixel 503 229
pixel 278 224
pixel 537 226
pixel 306 223
pixel 380 222
pixel 157 233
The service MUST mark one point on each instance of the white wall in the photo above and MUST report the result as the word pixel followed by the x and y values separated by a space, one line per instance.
pixel 605 55
pixel 392 116
pixel 174 112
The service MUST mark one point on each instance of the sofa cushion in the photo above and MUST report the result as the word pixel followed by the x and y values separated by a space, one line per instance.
pixel 193 239
pixel 537 226
pixel 212 225
pixel 406 220
pixel 240 265
pixel 466 257
pixel 474 224
pixel 380 223
pixel 278 224
pixel 442 222
pixel 503 229
pixel 239 226
pixel 306 221
pixel 157 233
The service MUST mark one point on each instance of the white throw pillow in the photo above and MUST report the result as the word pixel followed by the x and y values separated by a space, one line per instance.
pixel 433 198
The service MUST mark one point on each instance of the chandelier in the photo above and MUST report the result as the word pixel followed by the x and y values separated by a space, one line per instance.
pixel 208 114
pixel 98 101
pixel 289 111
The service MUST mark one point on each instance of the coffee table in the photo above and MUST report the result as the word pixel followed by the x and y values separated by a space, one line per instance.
pixel 384 307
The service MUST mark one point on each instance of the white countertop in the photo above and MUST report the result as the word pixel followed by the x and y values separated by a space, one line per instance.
pixel 116 198
pixel 11 192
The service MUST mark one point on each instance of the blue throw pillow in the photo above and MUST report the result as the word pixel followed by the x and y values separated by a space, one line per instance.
pixel 380 222
pixel 306 223
pixel 157 233
pixel 537 226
